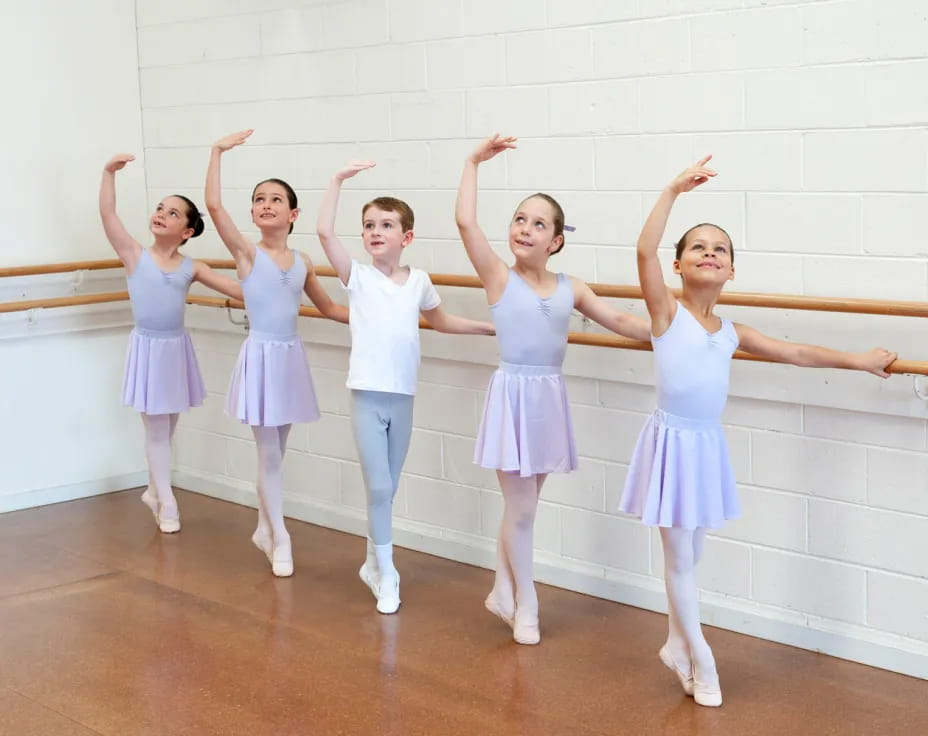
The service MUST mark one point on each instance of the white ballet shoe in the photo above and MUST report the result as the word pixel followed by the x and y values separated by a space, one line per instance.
pixel 265 544
pixel 370 576
pixel 686 678
pixel 708 694
pixel 388 593
pixel 167 525
pixel 494 607
pixel 525 629
pixel 282 560
pixel 151 501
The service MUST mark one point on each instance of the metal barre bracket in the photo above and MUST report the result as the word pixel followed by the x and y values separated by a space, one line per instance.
pixel 920 386
pixel 243 322
pixel 77 280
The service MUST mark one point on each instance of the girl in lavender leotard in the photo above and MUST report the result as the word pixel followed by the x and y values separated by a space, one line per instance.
pixel 162 378
pixel 525 432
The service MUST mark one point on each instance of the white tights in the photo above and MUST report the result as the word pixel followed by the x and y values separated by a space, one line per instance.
pixel 514 585
pixel 159 431
pixel 682 552
pixel 271 532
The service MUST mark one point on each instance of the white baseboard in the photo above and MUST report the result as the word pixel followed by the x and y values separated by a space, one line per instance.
pixel 58 494
pixel 846 641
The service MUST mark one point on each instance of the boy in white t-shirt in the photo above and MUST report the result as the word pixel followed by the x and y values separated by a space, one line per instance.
pixel 385 302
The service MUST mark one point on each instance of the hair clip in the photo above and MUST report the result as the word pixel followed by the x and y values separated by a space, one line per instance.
pixel 569 228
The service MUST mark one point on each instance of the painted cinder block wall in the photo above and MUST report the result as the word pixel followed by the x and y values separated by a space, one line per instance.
pixel 816 115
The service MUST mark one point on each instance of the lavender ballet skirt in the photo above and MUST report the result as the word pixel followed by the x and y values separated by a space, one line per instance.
pixel 680 474
pixel 271 384
pixel 526 427
pixel 162 375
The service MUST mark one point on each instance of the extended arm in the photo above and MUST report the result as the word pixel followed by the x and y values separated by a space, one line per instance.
pixel 441 321
pixel 217 281
pixel 242 250
pixel 658 298
pixel 127 248
pixel 325 224
pixel 490 268
pixel 873 361
pixel 320 297
pixel 601 312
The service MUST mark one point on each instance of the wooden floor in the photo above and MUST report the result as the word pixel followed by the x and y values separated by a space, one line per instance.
pixel 108 627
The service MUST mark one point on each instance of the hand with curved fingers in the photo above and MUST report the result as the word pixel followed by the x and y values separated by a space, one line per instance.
pixel 876 361
pixel 232 140
pixel 334 250
pixel 693 176
pixel 118 162
pixel 353 168
pixel 491 146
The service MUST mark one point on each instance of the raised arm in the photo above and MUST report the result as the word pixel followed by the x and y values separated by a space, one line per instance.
pixel 873 361
pixel 319 297
pixel 242 250
pixel 490 268
pixel 217 281
pixel 127 248
pixel 441 321
pixel 601 312
pixel 658 298
pixel 325 224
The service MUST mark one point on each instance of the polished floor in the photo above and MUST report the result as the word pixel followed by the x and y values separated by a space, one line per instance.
pixel 108 627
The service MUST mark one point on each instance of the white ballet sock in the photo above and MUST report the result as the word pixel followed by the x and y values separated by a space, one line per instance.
pixel 384 556
pixel 371 559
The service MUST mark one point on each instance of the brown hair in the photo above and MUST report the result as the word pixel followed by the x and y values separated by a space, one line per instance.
pixel 194 218
pixel 291 195
pixel 558 215
pixel 392 204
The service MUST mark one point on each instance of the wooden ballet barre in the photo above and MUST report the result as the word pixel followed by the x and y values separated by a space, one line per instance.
pixel 64 301
pixel 60 268
pixel 739 299
pixel 574 338
pixel 734 298
pixel 912 367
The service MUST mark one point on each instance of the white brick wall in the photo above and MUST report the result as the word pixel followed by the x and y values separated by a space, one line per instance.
pixel 820 140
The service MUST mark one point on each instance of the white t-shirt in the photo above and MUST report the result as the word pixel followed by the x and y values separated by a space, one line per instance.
pixel 384 321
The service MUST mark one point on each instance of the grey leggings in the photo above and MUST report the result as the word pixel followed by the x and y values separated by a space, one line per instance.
pixel 382 426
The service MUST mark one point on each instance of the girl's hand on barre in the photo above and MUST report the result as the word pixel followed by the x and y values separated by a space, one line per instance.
pixel 876 361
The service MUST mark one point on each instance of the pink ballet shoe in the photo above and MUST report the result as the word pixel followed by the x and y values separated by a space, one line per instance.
pixel 686 678
pixel 493 606
pixel 265 544
pixel 525 629
pixel 167 524
pixel 708 694
pixel 282 564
